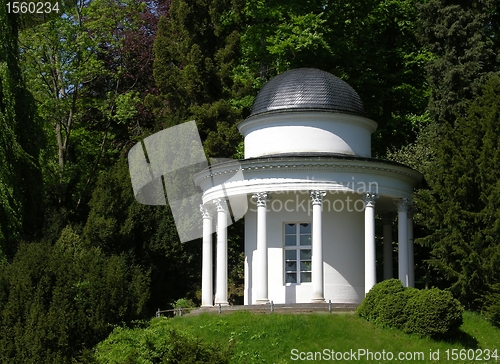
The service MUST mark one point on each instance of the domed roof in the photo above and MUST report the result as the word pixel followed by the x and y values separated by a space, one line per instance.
pixel 307 89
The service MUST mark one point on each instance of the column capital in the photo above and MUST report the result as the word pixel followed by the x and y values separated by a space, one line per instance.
pixel 403 204
pixel 369 198
pixel 317 197
pixel 261 198
pixel 206 211
pixel 220 203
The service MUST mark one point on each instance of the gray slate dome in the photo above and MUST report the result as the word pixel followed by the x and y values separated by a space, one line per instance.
pixel 307 89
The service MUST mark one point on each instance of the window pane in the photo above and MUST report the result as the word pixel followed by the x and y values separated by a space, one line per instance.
pixel 305 277
pixel 290 254
pixel 290 229
pixel 305 240
pixel 290 240
pixel 291 266
pixel 305 266
pixel 305 228
pixel 291 278
pixel 305 254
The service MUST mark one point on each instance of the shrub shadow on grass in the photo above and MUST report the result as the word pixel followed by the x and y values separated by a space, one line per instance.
pixel 462 338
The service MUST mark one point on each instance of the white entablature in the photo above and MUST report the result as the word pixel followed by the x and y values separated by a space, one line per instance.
pixel 333 173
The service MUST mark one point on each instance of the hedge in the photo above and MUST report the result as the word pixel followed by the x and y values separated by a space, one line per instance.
pixel 433 312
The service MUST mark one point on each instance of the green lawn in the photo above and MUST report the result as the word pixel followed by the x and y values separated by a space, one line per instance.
pixel 272 338
pixel 288 338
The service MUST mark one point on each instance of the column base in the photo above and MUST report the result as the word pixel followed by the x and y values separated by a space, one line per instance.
pixel 263 301
pixel 221 303
pixel 317 300
pixel 203 306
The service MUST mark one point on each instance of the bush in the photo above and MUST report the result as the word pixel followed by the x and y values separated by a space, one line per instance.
pixel 391 310
pixel 158 343
pixel 368 309
pixel 434 313
pixel 184 303
pixel 58 301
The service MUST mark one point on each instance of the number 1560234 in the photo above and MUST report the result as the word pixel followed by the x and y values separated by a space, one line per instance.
pixel 31 7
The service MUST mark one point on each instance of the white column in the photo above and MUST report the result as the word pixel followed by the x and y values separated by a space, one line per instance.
pixel 221 273
pixel 207 290
pixel 411 260
pixel 387 220
pixel 403 240
pixel 317 247
pixel 370 253
pixel 262 278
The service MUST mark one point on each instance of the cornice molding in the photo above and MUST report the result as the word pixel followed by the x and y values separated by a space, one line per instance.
pixel 274 118
pixel 308 164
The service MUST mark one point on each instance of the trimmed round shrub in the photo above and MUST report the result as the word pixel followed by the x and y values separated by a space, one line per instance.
pixel 434 313
pixel 391 310
pixel 369 307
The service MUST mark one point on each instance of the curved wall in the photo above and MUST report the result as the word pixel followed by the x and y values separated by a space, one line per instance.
pixel 343 248
pixel 307 132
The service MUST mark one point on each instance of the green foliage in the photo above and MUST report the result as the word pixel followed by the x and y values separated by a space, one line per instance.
pixel 460 209
pixel 184 303
pixel 434 313
pixel 372 45
pixel 147 235
pixel 281 35
pixel 491 306
pixel 463 40
pixel 391 308
pixel 368 309
pixel 76 65
pixel 20 143
pixel 3 258
pixel 192 69
pixel 158 344
pixel 377 52
pixel 57 301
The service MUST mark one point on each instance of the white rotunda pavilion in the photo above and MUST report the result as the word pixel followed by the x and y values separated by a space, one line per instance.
pixel 312 191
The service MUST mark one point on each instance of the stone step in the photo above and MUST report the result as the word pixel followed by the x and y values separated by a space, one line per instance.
pixel 278 308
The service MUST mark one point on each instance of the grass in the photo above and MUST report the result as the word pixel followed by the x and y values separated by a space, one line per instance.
pixel 270 338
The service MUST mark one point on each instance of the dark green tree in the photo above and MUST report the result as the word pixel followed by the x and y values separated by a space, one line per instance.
pixel 58 301
pixel 463 38
pixel 195 51
pixel 20 142
pixel 460 210
pixel 146 235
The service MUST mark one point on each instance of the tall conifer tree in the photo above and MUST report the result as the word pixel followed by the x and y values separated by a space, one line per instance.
pixel 463 40
pixel 195 51
pixel 461 208
pixel 20 139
